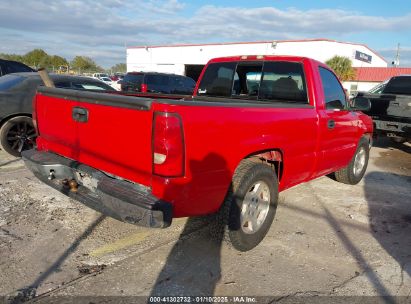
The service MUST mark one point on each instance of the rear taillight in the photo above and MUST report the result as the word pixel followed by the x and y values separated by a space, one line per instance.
pixel 168 145
pixel 143 88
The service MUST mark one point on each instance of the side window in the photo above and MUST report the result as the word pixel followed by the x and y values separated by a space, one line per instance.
pixel 189 85
pixel 184 85
pixel 283 81
pixel 334 94
pixel 157 83
pixel 217 80
pixel 176 85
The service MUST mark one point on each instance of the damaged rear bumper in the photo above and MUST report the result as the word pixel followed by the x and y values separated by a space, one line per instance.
pixel 120 199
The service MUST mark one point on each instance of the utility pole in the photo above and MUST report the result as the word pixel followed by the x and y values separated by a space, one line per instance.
pixel 396 62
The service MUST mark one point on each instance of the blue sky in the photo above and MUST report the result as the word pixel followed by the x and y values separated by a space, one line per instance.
pixel 101 28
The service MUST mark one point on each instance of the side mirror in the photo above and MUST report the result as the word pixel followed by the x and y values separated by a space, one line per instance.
pixel 360 103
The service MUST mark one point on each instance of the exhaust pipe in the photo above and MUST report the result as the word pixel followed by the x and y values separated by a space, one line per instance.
pixel 46 78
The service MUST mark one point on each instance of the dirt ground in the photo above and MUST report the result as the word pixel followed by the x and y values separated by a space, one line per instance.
pixel 328 239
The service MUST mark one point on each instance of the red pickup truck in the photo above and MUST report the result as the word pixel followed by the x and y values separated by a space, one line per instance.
pixel 256 125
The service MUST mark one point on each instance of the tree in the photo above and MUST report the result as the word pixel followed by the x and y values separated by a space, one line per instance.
pixel 39 58
pixel 342 67
pixel 58 61
pixel 83 63
pixel 36 58
pixel 119 68
pixel 13 57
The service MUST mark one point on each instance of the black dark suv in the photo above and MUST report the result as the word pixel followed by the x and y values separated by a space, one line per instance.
pixel 152 82
pixel 9 66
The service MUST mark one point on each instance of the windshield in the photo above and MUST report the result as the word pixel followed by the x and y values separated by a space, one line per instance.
pixel 82 84
pixel 378 88
pixel 85 85
pixel 9 81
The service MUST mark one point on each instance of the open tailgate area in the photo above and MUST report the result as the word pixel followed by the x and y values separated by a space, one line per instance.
pixel 105 131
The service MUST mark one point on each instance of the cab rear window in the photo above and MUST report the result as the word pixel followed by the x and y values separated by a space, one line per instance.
pixel 218 80
pixel 270 81
pixel 400 85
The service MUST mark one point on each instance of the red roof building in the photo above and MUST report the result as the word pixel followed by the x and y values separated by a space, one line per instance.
pixel 367 78
pixel 377 74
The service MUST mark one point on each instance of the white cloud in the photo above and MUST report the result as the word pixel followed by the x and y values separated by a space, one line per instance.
pixel 103 27
pixel 163 7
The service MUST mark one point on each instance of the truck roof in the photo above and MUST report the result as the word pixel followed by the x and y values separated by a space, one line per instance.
pixel 263 57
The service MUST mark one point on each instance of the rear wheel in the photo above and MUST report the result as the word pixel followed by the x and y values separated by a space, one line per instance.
pixel 249 207
pixel 17 134
pixel 354 172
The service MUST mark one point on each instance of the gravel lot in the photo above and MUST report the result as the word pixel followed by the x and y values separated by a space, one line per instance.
pixel 328 239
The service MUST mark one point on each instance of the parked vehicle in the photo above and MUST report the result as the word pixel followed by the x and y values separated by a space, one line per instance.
pixel 107 80
pixel 99 75
pixel 152 82
pixel 117 76
pixel 391 109
pixel 255 126
pixel 16 94
pixel 10 66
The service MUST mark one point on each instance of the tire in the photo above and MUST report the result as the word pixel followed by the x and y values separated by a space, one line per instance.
pixel 249 207
pixel 354 172
pixel 17 134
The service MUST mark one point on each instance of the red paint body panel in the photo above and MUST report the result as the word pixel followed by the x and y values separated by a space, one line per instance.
pixel 214 148
pixel 216 138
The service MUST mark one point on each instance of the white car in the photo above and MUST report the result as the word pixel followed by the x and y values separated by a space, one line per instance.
pixel 107 80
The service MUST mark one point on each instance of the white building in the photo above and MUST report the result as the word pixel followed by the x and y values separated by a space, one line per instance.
pixel 190 59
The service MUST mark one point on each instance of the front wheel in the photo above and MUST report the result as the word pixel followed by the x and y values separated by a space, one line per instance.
pixel 17 134
pixel 354 172
pixel 249 207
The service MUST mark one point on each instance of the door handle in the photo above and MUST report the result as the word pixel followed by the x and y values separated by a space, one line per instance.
pixel 80 114
pixel 331 124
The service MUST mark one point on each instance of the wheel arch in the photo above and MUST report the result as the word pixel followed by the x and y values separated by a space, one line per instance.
pixel 7 118
pixel 271 157
pixel 368 137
